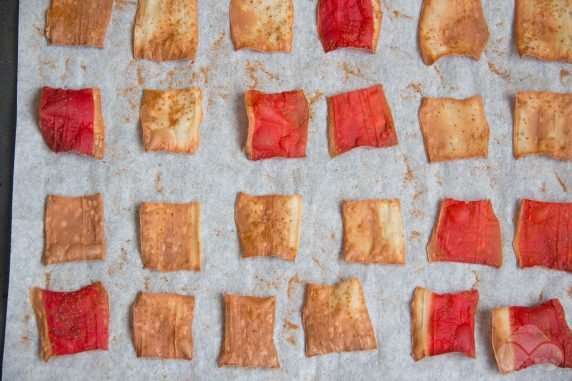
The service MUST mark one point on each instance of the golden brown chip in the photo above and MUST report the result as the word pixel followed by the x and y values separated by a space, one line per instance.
pixel 98 126
pixel 420 323
pixel 373 232
pixel 166 30
pixel 163 325
pixel 249 332
pixel 74 229
pixel 335 319
pixel 454 128
pixel 78 22
pixel 171 120
pixel 543 29
pixel 263 25
pixel 269 226
pixel 170 236
pixel 452 28
pixel 543 124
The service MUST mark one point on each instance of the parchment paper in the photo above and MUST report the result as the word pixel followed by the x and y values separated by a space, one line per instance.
pixel 219 170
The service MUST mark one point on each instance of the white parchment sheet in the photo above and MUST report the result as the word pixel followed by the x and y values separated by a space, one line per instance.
pixel 214 176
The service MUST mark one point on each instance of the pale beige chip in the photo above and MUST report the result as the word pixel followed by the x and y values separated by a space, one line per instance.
pixel 452 28
pixel 502 333
pixel 249 332
pixel 373 232
pixel 170 236
pixel 543 29
pixel 78 22
pixel 420 323
pixel 263 25
pixel 543 124
pixel 74 229
pixel 171 120
pixel 454 128
pixel 269 225
pixel 163 325
pixel 166 30
pixel 336 319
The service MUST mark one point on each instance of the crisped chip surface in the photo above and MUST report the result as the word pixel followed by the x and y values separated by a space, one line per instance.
pixel 373 232
pixel 360 118
pixel 543 29
pixel 171 120
pixel 263 25
pixel 452 28
pixel 349 24
pixel 454 128
pixel 269 225
pixel 336 319
pixel 163 325
pixel 525 336
pixel 71 120
pixel 71 322
pixel 277 124
pixel 170 236
pixel 74 228
pixel 443 323
pixel 467 232
pixel 543 124
pixel 544 235
pixel 78 22
pixel 249 332
pixel 166 30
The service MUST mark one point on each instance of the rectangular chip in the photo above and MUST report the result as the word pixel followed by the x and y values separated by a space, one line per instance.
pixel 543 29
pixel 454 129
pixel 543 124
pixel 78 22
pixel 373 232
pixel 166 30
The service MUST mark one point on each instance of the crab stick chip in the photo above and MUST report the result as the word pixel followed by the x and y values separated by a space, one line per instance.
pixel 454 129
pixel 249 332
pixel 543 29
pixel 78 22
pixel 336 319
pixel 544 235
pixel 71 120
pixel 349 24
pixel 443 323
pixel 525 336
pixel 277 124
pixel 163 325
pixel 269 226
pixel 71 322
pixel 373 232
pixel 466 232
pixel 171 120
pixel 170 236
pixel 74 229
pixel 166 30
pixel 263 25
pixel 543 124
pixel 452 28
pixel 360 118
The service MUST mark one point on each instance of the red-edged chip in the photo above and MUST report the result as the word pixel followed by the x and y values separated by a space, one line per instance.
pixel 467 232
pixel 71 322
pixel 443 323
pixel 71 120
pixel 525 336
pixel 544 235
pixel 349 24
pixel 277 124
pixel 360 118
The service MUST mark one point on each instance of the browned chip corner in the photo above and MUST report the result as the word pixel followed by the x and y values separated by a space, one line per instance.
pixel 38 306
pixel 420 313
pixel 98 126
